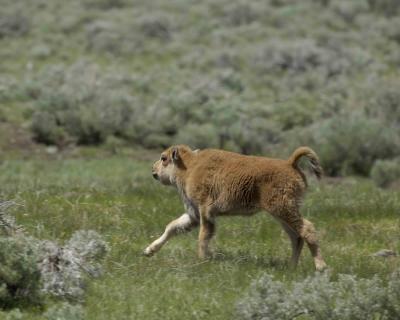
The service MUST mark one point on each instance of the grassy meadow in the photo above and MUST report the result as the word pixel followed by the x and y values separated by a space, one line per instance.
pixel 92 90
pixel 116 196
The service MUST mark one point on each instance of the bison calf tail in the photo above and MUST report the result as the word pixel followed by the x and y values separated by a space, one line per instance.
pixel 312 157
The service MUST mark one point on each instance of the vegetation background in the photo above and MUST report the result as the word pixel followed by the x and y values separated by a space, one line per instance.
pixel 92 90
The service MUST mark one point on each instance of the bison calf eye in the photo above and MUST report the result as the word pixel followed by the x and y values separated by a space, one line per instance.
pixel 163 158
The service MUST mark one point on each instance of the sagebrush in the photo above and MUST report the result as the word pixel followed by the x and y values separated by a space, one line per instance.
pixel 33 268
pixel 320 297
pixel 151 75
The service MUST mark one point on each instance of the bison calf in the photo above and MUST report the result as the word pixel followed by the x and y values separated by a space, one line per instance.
pixel 216 182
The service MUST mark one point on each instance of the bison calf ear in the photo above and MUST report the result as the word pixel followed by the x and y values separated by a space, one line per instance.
pixel 175 154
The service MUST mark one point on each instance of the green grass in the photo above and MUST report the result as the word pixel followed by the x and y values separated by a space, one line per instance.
pixel 117 197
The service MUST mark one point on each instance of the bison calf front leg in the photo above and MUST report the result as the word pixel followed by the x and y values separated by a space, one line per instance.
pixel 183 224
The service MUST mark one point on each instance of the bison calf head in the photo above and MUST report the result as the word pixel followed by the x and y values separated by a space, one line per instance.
pixel 172 162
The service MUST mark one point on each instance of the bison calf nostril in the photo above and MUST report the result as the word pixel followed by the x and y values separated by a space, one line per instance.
pixel 155 175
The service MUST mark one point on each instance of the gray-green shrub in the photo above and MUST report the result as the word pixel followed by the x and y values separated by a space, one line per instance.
pixel 386 7
pixel 349 143
pixel 383 101
pixel 319 297
pixel 79 103
pixel 349 10
pixel 386 172
pixel 8 226
pixel 156 26
pixel 302 55
pixel 104 4
pixel 13 24
pixel 32 268
pixel 107 37
pixel 14 314
pixel 64 311
pixel 199 136
pixel 20 281
pixel 64 269
pixel 119 34
pixel 240 13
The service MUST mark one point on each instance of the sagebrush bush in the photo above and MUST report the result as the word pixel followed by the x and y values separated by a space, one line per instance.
pixel 386 7
pixel 9 89
pixel 348 144
pixel 20 282
pixel 393 294
pixel 383 101
pixel 319 298
pixel 64 311
pixel 204 57
pixel 14 314
pixel 349 10
pixel 386 172
pixel 91 249
pixel 240 13
pixel 31 268
pixel 8 226
pixel 64 269
pixel 156 26
pixel 291 114
pixel 389 28
pixel 107 37
pixel 104 4
pixel 119 34
pixel 254 135
pixel 13 24
pixel 302 55
pixel 79 104
pixel 199 136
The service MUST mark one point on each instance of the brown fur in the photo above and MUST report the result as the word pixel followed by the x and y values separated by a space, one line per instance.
pixel 215 182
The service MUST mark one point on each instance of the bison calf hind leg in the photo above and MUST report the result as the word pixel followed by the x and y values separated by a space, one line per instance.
pixel 296 240
pixel 301 230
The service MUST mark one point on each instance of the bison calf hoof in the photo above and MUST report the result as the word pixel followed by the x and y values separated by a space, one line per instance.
pixel 321 266
pixel 148 252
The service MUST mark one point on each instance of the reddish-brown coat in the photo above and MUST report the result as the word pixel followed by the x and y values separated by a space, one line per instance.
pixel 216 182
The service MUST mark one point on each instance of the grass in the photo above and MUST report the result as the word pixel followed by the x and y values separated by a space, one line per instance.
pixel 117 197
